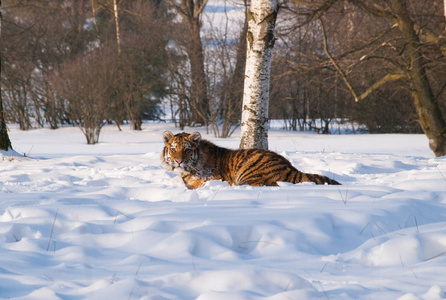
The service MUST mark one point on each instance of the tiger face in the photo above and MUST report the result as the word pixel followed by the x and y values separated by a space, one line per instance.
pixel 180 153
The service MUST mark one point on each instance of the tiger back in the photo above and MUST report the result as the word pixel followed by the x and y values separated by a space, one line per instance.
pixel 197 161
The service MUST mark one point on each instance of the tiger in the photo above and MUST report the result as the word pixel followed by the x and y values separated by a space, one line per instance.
pixel 197 161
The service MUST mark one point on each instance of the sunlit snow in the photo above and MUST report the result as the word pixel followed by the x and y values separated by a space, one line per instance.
pixel 108 222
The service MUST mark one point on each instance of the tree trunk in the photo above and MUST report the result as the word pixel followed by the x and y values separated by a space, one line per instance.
pixel 444 8
pixel 233 105
pixel 190 11
pixel 260 42
pixel 431 120
pixel 118 34
pixel 5 142
pixel 195 52
pixel 429 112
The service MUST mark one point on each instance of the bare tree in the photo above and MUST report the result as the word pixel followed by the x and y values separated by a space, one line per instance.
pixel 388 43
pixel 87 83
pixel 225 65
pixel 190 11
pixel 260 42
pixel 415 70
pixel 40 36
pixel 235 88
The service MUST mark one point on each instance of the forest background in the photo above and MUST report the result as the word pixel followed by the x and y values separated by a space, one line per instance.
pixel 93 62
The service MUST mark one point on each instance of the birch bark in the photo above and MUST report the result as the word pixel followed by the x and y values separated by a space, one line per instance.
pixel 444 7
pixel 260 42
pixel 118 34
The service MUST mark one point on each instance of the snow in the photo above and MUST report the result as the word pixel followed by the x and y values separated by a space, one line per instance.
pixel 106 221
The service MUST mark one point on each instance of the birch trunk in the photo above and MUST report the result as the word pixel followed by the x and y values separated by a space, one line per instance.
pixel 260 42
pixel 93 10
pixel 444 8
pixel 118 34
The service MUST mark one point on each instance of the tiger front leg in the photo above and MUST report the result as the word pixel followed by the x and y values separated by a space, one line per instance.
pixel 191 181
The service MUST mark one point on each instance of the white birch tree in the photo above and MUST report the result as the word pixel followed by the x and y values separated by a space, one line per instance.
pixel 260 42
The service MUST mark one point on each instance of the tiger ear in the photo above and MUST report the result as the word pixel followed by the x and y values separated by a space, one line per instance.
pixel 195 137
pixel 167 136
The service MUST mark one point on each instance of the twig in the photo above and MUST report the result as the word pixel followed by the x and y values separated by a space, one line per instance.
pixel 379 227
pixel 49 277
pixel 416 223
pixel 247 242
pixel 344 199
pixel 131 293
pixel 27 154
pixel 438 255
pixel 52 230
pixel 365 227
pixel 323 268
pixel 215 194
pixel 138 269
pixel 114 222
pixel 413 273
pixel 441 173
pixel 112 280
pixel 287 286
pixel 117 214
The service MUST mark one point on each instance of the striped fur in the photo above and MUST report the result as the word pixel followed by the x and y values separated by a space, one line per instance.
pixel 197 161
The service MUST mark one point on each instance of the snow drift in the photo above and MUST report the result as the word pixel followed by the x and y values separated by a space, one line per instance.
pixel 107 221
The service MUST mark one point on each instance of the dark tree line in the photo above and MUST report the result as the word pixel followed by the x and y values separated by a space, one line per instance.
pixel 62 64
pixel 378 63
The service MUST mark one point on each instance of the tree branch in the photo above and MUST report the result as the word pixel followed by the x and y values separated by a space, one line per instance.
pixel 178 8
pixel 314 4
pixel 198 9
pixel 335 64
pixel 387 78
pixel 373 8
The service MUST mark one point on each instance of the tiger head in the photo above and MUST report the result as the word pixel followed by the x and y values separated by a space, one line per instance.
pixel 180 153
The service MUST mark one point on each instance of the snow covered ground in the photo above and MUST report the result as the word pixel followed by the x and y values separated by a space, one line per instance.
pixel 107 222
